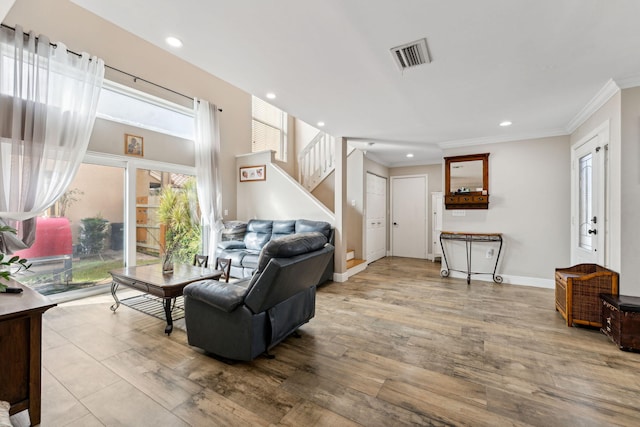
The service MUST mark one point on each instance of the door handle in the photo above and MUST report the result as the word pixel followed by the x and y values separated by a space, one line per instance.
pixel 594 231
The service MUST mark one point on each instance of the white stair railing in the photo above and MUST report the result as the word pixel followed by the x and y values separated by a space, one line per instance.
pixel 316 161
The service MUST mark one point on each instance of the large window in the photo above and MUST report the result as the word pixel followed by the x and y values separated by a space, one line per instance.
pixel 123 104
pixel 269 129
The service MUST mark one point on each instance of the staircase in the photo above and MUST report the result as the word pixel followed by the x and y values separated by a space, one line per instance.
pixel 316 161
pixel 352 261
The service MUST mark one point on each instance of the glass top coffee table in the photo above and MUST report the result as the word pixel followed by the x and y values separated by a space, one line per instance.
pixel 151 280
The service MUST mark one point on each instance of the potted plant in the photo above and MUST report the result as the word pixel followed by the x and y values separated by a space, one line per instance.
pixel 7 263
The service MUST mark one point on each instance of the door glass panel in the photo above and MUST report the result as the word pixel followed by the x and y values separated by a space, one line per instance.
pixel 81 237
pixel 166 216
pixel 585 208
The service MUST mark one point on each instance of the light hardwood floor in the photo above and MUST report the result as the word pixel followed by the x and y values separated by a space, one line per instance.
pixel 395 345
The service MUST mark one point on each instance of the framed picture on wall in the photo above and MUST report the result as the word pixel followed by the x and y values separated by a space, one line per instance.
pixel 133 145
pixel 253 173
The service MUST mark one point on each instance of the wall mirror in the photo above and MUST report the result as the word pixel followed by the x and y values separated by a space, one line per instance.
pixel 467 181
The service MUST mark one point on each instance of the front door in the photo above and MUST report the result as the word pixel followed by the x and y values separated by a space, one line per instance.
pixel 409 216
pixel 588 222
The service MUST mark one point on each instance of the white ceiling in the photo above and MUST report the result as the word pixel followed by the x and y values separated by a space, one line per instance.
pixel 536 63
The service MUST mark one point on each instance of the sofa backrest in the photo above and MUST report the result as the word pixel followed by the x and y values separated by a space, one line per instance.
pixel 258 234
pixel 283 228
pixel 261 231
pixel 286 266
pixel 306 225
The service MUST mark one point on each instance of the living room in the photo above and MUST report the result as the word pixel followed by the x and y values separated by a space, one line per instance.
pixel 530 183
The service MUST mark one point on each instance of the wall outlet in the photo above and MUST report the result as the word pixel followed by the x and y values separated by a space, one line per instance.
pixel 226 212
pixel 489 253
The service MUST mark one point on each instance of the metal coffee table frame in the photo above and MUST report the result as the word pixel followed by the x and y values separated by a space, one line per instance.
pixel 151 280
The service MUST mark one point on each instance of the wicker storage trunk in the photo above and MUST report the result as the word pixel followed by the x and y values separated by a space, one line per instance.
pixel 578 290
pixel 621 320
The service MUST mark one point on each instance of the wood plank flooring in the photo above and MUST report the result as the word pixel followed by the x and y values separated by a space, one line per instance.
pixel 395 345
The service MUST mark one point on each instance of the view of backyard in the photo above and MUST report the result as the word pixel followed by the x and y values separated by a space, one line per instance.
pixel 82 237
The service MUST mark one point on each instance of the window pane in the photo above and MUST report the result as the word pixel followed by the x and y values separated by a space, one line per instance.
pixel 265 137
pixel 269 129
pixel 129 109
pixel 166 216
pixel 586 204
pixel 81 237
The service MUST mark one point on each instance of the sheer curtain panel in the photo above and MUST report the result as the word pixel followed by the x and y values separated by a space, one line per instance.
pixel 207 146
pixel 48 100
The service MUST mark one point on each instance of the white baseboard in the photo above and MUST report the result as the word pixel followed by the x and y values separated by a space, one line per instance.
pixel 340 277
pixel 509 279
pixel 343 277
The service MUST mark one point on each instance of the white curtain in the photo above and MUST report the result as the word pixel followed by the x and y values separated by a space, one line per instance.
pixel 207 146
pixel 48 101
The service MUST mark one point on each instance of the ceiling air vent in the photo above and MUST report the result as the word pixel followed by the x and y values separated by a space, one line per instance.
pixel 411 54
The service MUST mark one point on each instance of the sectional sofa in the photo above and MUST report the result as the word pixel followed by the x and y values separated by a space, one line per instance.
pixel 244 253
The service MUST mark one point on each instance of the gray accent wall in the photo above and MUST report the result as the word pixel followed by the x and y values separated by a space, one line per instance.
pixel 529 189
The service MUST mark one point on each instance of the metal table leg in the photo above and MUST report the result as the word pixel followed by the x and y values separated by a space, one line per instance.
pixel 167 313
pixel 114 288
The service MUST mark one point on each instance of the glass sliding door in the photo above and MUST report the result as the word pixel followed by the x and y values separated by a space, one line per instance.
pixel 81 237
pixel 166 216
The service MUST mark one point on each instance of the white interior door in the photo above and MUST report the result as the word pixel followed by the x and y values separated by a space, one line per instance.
pixel 588 220
pixel 376 217
pixel 409 216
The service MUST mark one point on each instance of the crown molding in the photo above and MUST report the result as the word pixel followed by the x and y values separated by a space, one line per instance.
pixel 627 82
pixel 603 95
pixel 497 139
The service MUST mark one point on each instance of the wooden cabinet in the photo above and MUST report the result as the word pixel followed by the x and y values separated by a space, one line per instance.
pixel 467 201
pixel 20 349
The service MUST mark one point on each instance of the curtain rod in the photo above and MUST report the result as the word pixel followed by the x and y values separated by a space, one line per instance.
pixel 134 77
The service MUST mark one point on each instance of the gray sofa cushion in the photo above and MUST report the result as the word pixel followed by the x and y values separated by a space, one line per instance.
pixel 291 245
pixel 231 244
pixel 305 226
pixel 258 234
pixel 283 228
pixel 223 296
pixel 250 260
pixel 236 255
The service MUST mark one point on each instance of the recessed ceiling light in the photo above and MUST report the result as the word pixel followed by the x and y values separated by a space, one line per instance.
pixel 320 124
pixel 271 95
pixel 410 155
pixel 506 123
pixel 173 41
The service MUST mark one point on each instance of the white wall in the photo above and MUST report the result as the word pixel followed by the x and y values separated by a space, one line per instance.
pixel 80 30
pixel 277 197
pixel 5 5
pixel 529 203
pixel 108 138
pixel 630 191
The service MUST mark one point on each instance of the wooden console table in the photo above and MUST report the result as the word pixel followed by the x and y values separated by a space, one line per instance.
pixel 151 280
pixel 21 349
pixel 469 239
